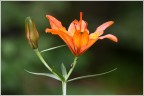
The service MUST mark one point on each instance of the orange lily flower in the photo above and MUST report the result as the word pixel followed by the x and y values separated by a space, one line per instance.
pixel 77 37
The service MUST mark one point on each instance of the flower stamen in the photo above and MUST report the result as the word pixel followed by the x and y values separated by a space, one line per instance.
pixel 81 14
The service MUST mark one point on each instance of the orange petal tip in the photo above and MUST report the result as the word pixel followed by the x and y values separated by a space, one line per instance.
pixel 47 30
pixel 109 36
pixel 104 26
pixel 48 16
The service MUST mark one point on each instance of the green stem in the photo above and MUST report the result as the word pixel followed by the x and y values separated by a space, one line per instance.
pixel 64 83
pixel 73 66
pixel 44 62
pixel 64 88
pixel 41 58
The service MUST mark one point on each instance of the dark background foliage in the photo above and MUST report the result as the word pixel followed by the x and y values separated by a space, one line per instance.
pixel 104 55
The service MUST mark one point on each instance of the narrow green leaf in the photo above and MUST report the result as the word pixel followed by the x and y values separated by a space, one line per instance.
pixel 58 74
pixel 64 72
pixel 52 48
pixel 87 76
pixel 44 74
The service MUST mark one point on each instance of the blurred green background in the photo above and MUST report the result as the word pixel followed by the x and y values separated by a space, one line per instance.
pixel 104 55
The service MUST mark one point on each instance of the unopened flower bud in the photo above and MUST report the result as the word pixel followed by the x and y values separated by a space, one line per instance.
pixel 31 33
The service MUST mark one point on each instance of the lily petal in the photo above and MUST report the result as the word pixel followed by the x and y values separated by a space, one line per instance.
pixel 83 26
pixel 101 28
pixel 77 24
pixel 64 36
pixel 53 31
pixel 80 41
pixel 84 38
pixel 109 36
pixel 68 40
pixel 89 44
pixel 94 35
pixel 55 24
pixel 71 29
pixel 76 40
